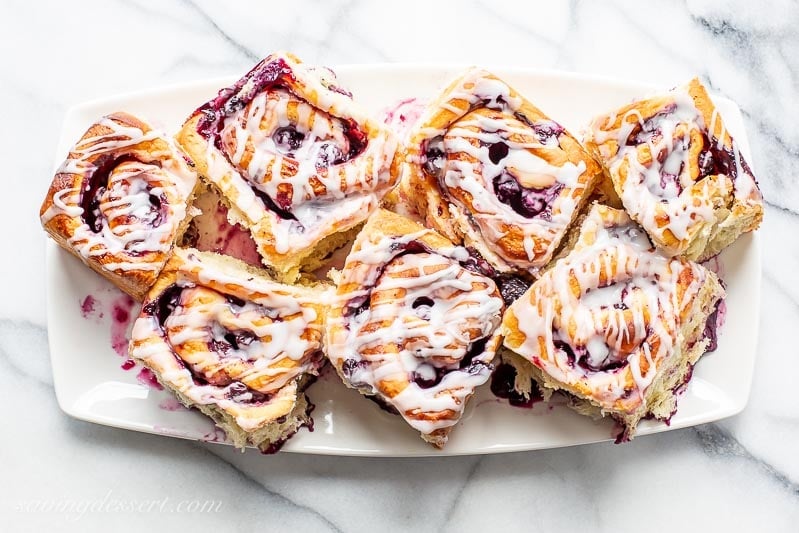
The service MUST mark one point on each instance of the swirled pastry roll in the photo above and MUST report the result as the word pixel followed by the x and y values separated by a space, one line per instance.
pixel 235 345
pixel 413 324
pixel 678 172
pixel 299 164
pixel 492 172
pixel 119 201
pixel 615 324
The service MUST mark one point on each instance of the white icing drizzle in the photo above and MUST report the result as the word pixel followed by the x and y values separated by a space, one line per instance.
pixel 534 163
pixel 319 198
pixel 621 316
pixel 127 217
pixel 425 312
pixel 279 337
pixel 659 187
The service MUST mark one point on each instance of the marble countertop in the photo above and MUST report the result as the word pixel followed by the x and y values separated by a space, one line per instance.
pixel 739 474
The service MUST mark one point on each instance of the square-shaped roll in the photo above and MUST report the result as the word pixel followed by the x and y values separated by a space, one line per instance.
pixel 413 323
pixel 492 172
pixel 119 201
pixel 678 171
pixel 298 163
pixel 239 347
pixel 615 325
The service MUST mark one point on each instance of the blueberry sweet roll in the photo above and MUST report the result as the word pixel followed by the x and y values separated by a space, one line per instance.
pixel 413 324
pixel 297 162
pixel 119 201
pixel 678 171
pixel 228 341
pixel 615 325
pixel 492 172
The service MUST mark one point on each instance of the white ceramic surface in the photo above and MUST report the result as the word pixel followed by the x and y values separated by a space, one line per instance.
pixel 91 385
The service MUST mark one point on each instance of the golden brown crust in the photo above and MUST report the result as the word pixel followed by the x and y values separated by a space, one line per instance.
pixel 282 318
pixel 397 269
pixel 710 210
pixel 347 192
pixel 514 243
pixel 614 323
pixel 116 144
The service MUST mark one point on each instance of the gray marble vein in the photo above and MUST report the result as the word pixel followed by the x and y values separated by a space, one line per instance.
pixel 716 441
pixel 246 52
pixel 254 483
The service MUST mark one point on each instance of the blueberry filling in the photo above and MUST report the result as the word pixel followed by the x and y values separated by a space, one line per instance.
pixel 158 207
pixel 527 202
pixel 271 74
pixel 359 304
pixel 607 365
pixel 241 393
pixel 620 305
pixel 714 160
pixel 567 349
pixel 384 405
pixel 422 301
pixel 288 139
pixel 235 340
pixel 476 349
pixel 163 306
pixel 650 127
pixel 329 154
pixel 512 287
pixel 356 306
pixel 579 355
pixel 349 368
pixel 547 132
pixel 427 376
pixel 412 247
pixel 275 446
pixel 503 385
pixel 271 205
pixel 497 152
pixel 265 75
pixel 711 328
pixel 96 185
pixel 92 215
pixel 668 181
pixel 474 263
pixel 235 301
pixel 433 160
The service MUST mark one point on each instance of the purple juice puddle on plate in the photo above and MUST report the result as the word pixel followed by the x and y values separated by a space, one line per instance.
pixel 121 315
pixel 172 404
pixel 89 307
pixel 147 378
pixel 216 434
pixel 715 265
pixel 403 115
